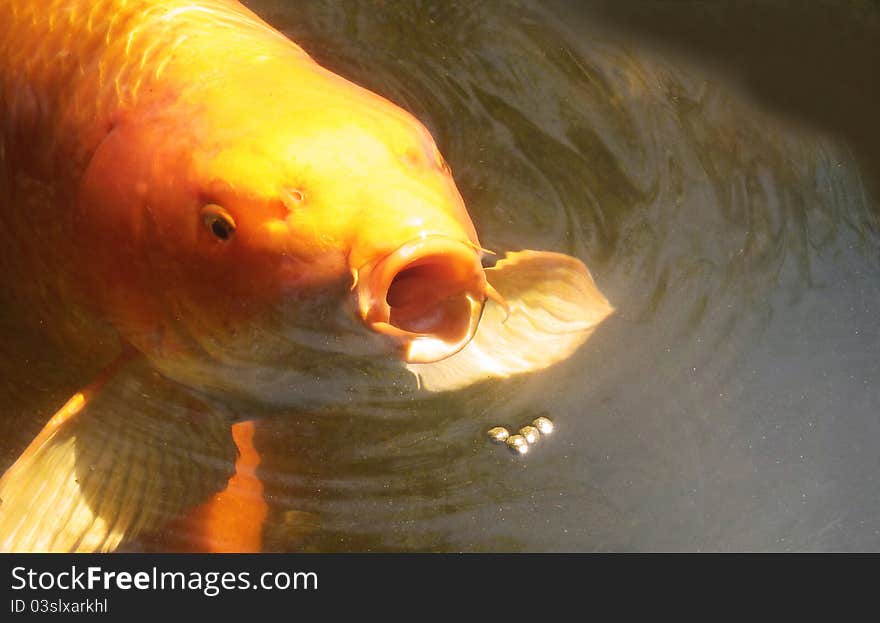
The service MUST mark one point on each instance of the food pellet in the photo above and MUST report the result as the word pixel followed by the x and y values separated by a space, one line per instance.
pixel 499 434
pixel 543 424
pixel 531 434
pixel 518 443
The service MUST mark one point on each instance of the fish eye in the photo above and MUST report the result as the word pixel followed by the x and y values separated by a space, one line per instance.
pixel 218 221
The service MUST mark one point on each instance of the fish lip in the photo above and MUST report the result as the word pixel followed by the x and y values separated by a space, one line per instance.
pixel 374 280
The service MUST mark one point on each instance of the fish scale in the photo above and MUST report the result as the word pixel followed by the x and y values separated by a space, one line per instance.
pixel 69 69
pixel 68 66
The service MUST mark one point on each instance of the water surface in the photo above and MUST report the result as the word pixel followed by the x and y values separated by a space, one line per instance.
pixel 731 402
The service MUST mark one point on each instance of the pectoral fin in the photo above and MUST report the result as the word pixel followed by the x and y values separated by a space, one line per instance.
pixel 121 457
pixel 231 521
pixel 553 306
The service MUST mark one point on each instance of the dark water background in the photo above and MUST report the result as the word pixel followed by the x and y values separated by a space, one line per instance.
pixel 713 164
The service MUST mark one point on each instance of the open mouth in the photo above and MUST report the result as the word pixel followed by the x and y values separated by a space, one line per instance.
pixel 428 295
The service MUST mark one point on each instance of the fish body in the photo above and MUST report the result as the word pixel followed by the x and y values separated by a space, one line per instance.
pixel 183 184
pixel 132 118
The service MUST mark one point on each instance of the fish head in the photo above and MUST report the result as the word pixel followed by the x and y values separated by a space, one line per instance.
pixel 258 223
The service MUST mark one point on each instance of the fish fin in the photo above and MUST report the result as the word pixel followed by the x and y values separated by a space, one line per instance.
pixel 124 454
pixel 232 520
pixel 552 307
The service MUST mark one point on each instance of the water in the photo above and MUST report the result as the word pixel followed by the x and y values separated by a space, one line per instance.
pixel 729 404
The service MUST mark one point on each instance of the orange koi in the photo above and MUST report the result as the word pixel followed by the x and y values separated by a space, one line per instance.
pixel 179 178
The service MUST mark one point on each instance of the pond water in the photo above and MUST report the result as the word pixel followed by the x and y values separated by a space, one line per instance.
pixel 730 403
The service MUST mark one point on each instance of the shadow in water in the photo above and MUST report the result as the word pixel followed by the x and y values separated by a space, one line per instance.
pixel 811 61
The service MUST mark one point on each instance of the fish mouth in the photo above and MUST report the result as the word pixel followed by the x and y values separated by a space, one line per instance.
pixel 427 295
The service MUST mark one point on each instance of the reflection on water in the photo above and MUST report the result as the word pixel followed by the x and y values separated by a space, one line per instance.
pixel 731 401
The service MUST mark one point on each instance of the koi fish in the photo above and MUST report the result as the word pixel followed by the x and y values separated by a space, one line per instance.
pixel 187 195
